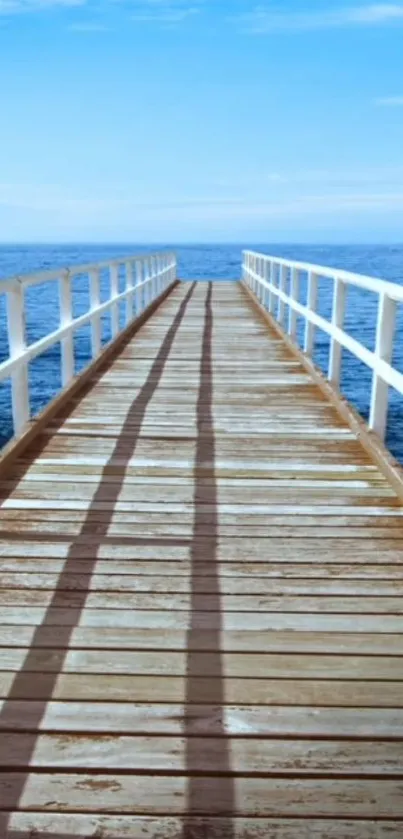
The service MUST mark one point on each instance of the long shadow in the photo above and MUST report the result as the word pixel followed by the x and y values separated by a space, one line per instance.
pixel 97 530
pixel 214 795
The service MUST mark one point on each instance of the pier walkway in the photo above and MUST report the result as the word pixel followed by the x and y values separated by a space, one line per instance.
pixel 201 624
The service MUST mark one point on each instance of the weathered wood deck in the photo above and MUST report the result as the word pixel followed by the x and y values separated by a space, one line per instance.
pixel 202 615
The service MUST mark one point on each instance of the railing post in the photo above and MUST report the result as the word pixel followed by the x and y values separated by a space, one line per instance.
pixel 150 287
pixel 173 273
pixel 159 268
pixel 154 278
pixel 246 268
pixel 261 275
pixel 266 274
pixel 335 355
pixel 257 275
pixel 96 319
pixel 146 275
pixel 281 304
pixel 311 304
pixel 294 294
pixel 114 278
pixel 164 271
pixel 154 274
pixel 273 298
pixel 17 346
pixel 129 288
pixel 150 280
pixel 138 294
pixel 66 318
pixel 384 349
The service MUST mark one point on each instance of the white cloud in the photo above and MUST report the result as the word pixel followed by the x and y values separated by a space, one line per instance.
pixel 390 101
pixel 263 20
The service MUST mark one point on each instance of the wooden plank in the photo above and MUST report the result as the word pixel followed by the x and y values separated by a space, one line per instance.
pixel 141 494
pixel 231 573
pixel 247 720
pixel 251 691
pixel 170 754
pixel 202 584
pixel 271 470
pixel 246 640
pixel 228 513
pixel 251 549
pixel 254 796
pixel 34 477
pixel 268 665
pixel 157 467
pixel 94 826
pixel 206 602
pixel 226 621
pixel 314 529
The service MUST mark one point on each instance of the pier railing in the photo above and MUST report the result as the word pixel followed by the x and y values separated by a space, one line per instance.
pixel 145 278
pixel 276 284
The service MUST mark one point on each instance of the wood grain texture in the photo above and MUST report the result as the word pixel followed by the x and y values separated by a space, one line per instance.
pixel 94 826
pixel 201 631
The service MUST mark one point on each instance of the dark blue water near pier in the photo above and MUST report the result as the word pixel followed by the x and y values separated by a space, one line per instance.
pixel 203 262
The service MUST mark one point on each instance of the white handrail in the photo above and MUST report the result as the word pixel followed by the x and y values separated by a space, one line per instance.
pixel 145 277
pixel 259 272
pixel 393 290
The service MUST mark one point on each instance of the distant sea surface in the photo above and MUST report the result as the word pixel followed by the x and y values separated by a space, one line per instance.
pixel 201 262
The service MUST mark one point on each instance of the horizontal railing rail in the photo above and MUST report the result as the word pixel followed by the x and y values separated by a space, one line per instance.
pixel 145 278
pixel 269 276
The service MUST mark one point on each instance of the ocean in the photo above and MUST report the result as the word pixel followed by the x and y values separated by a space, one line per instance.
pixel 202 262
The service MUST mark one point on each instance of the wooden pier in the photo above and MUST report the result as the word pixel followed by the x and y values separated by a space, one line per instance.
pixel 201 628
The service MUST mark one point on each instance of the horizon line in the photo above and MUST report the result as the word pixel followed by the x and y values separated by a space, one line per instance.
pixel 187 244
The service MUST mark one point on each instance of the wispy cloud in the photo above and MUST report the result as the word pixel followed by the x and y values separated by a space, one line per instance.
pixel 165 12
pixel 103 204
pixel 390 101
pixel 264 20
pixel 88 27
pixel 11 7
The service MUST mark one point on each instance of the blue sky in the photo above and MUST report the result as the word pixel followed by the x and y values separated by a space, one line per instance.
pixel 201 120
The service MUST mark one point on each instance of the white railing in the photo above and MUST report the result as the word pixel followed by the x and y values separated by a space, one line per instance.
pixel 145 277
pixel 269 277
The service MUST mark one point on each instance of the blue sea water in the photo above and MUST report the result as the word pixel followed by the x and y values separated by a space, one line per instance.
pixel 201 262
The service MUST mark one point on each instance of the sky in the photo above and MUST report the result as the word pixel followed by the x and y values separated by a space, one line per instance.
pixel 201 121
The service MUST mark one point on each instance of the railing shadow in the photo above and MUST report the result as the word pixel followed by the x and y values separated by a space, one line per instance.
pixel 98 530
pixel 217 798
